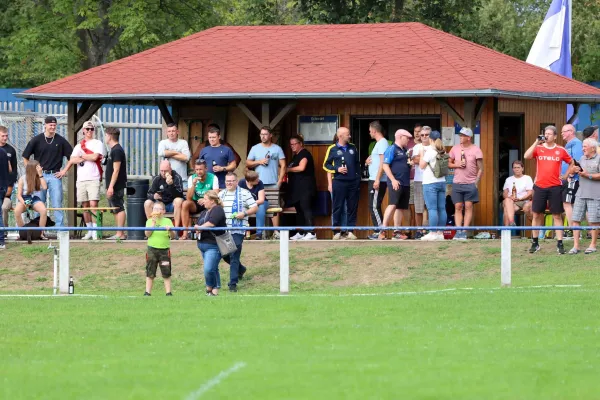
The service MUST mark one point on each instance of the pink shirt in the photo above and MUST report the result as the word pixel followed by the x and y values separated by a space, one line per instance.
pixel 468 174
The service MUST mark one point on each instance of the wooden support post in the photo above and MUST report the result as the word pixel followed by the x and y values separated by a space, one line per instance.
pixel 281 114
pixel 265 114
pixel 249 114
pixel 72 175
pixel 162 106
pixel 80 117
pixel 450 110
pixel 481 102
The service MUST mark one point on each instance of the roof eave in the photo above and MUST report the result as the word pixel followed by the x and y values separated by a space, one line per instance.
pixel 577 98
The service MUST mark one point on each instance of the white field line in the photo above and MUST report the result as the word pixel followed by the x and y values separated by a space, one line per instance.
pixel 411 293
pixel 214 381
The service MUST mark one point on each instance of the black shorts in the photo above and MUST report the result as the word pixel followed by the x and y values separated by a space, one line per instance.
pixel 551 196
pixel 569 189
pixel 156 258
pixel 117 200
pixel 196 208
pixel 399 198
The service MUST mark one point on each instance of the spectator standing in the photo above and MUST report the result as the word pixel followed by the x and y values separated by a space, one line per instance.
pixel 570 181
pixel 49 149
pixel 377 179
pixel 176 151
pixel 302 186
pixel 5 171
pixel 166 187
pixel 198 184
pixel 238 204
pixel 268 160
pixel 256 187
pixel 588 196
pixel 87 155
pixel 517 193
pixel 28 194
pixel 548 186
pixel 412 142
pixel 419 200
pixel 219 158
pixel 344 213
pixel 213 216
pixel 11 153
pixel 467 160
pixel 342 160
pixel 590 132
pixel 159 248
pixel 116 178
pixel 396 164
pixel 434 188
pixel 206 143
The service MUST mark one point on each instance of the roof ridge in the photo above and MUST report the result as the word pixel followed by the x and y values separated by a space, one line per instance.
pixel 510 57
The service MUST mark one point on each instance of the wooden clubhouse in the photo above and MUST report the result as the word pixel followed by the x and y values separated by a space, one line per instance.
pixel 313 78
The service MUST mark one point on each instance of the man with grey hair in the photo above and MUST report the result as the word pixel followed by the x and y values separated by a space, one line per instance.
pixel 588 196
pixel 548 186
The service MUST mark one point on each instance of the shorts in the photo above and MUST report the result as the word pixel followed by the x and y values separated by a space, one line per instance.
pixel 117 200
pixel 88 190
pixel 463 192
pixel 196 208
pixel 399 198
pixel 543 196
pixel 31 200
pixel 418 198
pixel 521 203
pixel 156 258
pixel 411 198
pixel 586 205
pixel 568 191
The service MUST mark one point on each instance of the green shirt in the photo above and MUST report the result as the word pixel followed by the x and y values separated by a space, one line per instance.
pixel 202 187
pixel 159 239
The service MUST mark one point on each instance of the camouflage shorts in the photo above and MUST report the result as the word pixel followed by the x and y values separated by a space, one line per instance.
pixel 156 258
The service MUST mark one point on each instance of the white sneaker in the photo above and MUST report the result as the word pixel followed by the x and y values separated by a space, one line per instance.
pixel 337 236
pixel 309 236
pixel 351 236
pixel 275 235
pixel 297 236
pixel 87 236
pixel 429 237
pixel 2 247
pixel 440 236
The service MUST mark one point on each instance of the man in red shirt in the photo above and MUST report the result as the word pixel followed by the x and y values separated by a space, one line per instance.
pixel 547 189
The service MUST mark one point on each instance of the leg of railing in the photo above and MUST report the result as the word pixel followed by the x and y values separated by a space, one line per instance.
pixel 284 261
pixel 505 267
pixel 63 281
pixel 55 276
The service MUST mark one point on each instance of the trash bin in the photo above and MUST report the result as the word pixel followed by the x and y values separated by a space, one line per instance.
pixel 137 192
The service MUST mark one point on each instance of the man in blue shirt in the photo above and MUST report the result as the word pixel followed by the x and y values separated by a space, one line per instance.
pixel 397 168
pixel 219 158
pixel 377 179
pixel 570 182
pixel 341 160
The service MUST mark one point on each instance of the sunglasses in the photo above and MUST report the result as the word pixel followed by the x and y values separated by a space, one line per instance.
pixel 89 129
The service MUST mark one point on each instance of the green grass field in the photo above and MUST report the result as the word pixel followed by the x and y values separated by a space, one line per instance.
pixel 420 333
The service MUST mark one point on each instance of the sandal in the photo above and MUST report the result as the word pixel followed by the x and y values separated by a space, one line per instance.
pixel 42 237
pixel 589 250
pixel 573 251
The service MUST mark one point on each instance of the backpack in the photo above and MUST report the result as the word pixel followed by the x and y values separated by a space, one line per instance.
pixel 440 169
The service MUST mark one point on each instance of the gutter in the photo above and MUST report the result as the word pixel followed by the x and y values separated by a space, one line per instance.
pixel 315 95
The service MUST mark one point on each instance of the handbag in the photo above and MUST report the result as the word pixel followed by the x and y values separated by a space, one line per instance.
pixel 226 243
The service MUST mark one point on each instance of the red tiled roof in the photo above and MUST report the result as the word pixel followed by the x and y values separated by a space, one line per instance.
pixel 315 60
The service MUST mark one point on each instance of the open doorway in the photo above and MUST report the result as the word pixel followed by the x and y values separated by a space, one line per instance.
pixel 511 148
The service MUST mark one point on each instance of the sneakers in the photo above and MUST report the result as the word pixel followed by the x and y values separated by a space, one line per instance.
pixel 297 236
pixel 233 288
pixel 309 236
pixel 275 235
pixel 431 236
pixel 460 235
pixel 535 247
pixel 169 294
pixel 147 294
pixel 2 247
pixel 88 236
pixel 560 248
pixel 94 235
pixel 337 236
pixel 242 273
pixel 350 236
pixel 399 236
pixel 418 235
pixel 374 236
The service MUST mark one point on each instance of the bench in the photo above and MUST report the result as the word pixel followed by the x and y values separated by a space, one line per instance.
pixel 99 212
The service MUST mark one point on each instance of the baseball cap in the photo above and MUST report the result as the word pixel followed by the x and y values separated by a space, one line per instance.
pixel 589 131
pixel 403 132
pixel 50 120
pixel 467 132
pixel 434 135
pixel 88 124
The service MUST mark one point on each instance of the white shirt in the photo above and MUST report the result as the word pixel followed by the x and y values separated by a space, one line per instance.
pixel 418 171
pixel 379 149
pixel 228 198
pixel 523 184
pixel 89 171
pixel 429 157
pixel 180 146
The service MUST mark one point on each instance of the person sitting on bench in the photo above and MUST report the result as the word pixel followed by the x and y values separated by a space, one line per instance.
pixel 166 187
pixel 198 184
pixel 29 194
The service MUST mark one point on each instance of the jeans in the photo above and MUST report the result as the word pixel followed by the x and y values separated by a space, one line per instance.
pixel 435 200
pixel 261 217
pixel 235 265
pixel 211 257
pixel 2 194
pixel 56 196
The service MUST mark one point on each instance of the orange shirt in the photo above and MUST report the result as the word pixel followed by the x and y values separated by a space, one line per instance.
pixel 548 165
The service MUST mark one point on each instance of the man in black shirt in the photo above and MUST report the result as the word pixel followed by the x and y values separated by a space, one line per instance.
pixel 5 170
pixel 50 149
pixel 11 153
pixel 167 187
pixel 116 178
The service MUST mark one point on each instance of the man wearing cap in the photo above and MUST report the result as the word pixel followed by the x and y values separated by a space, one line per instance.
pixel 397 168
pixel 176 151
pixel 50 149
pixel 467 160
pixel 591 132
pixel 87 155
pixel 570 181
